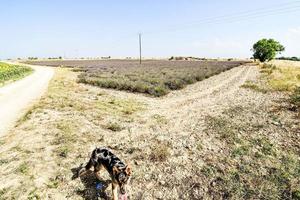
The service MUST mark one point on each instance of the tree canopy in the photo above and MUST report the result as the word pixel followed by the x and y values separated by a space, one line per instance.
pixel 266 49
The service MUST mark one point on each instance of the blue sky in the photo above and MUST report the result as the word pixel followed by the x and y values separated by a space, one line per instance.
pixel 101 28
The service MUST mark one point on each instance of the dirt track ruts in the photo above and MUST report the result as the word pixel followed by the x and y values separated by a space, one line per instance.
pixel 187 108
pixel 206 96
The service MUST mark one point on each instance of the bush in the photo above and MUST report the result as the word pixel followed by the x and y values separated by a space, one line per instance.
pixel 174 84
pixel 140 87
pixel 159 153
pixel 253 86
pixel 158 91
pixel 296 194
pixel 268 68
pixel 113 126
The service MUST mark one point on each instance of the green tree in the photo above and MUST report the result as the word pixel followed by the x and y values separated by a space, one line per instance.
pixel 266 49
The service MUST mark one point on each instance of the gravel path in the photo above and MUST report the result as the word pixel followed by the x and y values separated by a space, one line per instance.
pixel 203 98
pixel 19 95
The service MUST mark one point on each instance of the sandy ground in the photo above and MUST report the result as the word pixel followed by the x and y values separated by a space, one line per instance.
pixel 19 95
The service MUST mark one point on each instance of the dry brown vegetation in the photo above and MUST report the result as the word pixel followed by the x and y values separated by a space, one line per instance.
pixel 153 77
pixel 210 140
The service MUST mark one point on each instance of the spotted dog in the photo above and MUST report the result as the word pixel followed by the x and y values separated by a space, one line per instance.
pixel 118 170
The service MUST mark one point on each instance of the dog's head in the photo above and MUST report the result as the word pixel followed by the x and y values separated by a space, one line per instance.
pixel 122 176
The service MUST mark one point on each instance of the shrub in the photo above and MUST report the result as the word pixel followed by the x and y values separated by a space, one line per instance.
pixel 63 151
pixel 23 168
pixel 253 86
pixel 141 87
pixel 159 153
pixel 174 84
pixel 189 79
pixel 158 91
pixel 113 126
pixel 296 194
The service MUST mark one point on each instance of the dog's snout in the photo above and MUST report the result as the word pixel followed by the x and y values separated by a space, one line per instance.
pixel 123 191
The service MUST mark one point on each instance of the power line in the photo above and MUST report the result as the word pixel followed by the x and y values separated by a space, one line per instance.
pixel 223 21
pixel 247 15
pixel 258 10
pixel 245 18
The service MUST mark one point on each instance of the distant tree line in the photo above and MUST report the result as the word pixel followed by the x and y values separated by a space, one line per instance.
pixel 289 58
pixel 50 58
pixel 186 58
pixel 32 58
pixel 55 58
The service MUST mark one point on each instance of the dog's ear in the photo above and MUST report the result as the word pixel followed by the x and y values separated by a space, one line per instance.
pixel 81 172
pixel 115 170
pixel 128 170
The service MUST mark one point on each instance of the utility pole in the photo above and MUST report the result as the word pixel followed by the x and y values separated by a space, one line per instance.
pixel 140 42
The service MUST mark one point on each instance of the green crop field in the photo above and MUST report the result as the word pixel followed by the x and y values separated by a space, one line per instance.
pixel 12 72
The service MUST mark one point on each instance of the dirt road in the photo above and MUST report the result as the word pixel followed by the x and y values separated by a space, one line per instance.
pixel 17 96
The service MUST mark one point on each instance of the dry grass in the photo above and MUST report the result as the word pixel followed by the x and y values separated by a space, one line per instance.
pixel 285 76
pixel 254 86
pixel 68 122
pixel 254 161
